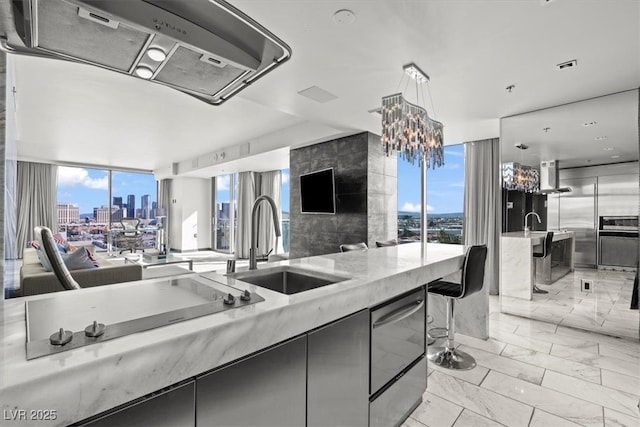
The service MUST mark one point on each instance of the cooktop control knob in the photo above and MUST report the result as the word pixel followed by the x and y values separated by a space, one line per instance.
pixel 246 296
pixel 61 337
pixel 230 300
pixel 94 330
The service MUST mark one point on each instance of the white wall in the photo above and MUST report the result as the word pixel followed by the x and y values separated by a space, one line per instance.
pixel 190 214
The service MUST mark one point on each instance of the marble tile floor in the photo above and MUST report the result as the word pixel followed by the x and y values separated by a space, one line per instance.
pixel 605 309
pixel 533 373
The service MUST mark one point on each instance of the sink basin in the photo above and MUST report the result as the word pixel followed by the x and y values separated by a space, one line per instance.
pixel 287 279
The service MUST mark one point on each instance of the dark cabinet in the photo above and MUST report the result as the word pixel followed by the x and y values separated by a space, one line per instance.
pixel 266 389
pixel 338 373
pixel 172 408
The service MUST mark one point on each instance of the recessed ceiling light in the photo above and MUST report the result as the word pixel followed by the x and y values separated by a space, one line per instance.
pixel 600 138
pixel 144 72
pixel 344 17
pixel 608 148
pixel 593 123
pixel 157 54
pixel 615 157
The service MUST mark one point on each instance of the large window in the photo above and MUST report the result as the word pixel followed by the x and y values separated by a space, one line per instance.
pixel 226 212
pixel 445 199
pixel 93 201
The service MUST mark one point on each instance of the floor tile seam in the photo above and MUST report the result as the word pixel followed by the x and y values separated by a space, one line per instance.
pixel 551 342
pixel 604 409
pixel 504 373
pixel 551 369
pixel 417 421
pixel 622 359
pixel 605 337
pixel 596 364
pixel 560 392
pixel 588 401
pixel 480 415
pixel 553 390
pixel 486 390
pixel 528 348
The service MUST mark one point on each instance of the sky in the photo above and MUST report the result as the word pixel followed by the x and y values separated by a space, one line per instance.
pixel 445 185
pixel 88 188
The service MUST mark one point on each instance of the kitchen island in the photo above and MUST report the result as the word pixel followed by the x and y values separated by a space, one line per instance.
pixel 517 261
pixel 86 381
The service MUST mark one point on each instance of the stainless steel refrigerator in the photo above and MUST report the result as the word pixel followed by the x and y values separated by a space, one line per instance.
pixel 578 213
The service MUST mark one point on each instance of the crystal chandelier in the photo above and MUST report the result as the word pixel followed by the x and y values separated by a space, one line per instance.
pixel 408 129
pixel 519 177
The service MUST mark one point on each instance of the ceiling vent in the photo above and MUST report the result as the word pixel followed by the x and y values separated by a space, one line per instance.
pixel 205 48
pixel 550 178
pixel 566 65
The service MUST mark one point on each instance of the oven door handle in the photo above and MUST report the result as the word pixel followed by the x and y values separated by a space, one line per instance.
pixel 399 314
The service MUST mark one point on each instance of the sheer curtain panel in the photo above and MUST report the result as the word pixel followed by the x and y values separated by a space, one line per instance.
pixel 248 184
pixel 270 185
pixel 36 198
pixel 164 201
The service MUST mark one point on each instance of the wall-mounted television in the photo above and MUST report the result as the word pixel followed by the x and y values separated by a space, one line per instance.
pixel 317 192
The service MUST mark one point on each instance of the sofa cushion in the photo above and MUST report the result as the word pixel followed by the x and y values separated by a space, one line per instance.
pixel 44 261
pixel 78 259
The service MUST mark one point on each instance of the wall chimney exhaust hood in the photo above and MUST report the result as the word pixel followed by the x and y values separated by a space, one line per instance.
pixel 549 178
pixel 205 48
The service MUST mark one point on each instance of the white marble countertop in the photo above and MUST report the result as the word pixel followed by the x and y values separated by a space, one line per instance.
pixel 85 381
pixel 539 235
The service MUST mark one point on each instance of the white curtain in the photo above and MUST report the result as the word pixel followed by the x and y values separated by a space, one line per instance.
pixel 270 185
pixel 164 201
pixel 36 199
pixel 248 185
pixel 481 204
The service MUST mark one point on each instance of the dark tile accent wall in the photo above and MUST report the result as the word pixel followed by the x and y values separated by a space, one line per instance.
pixel 365 195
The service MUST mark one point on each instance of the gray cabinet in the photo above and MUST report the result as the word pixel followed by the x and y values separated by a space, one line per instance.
pixel 267 389
pixel 170 408
pixel 338 373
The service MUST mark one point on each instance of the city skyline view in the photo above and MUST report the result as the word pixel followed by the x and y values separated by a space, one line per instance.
pixel 88 188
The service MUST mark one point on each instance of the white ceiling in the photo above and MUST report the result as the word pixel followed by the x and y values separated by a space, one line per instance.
pixel 472 50
pixel 597 131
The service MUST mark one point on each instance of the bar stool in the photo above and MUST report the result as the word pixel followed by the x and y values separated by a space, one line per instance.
pixel 362 246
pixel 392 242
pixel 546 251
pixel 472 282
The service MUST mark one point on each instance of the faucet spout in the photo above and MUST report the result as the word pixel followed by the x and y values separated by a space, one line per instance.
pixel 253 263
pixel 527 216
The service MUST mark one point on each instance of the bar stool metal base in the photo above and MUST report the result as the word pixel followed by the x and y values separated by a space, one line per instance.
pixel 450 358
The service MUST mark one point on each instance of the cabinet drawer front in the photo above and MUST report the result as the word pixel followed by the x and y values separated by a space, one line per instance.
pixel 397 337
pixel 397 402
pixel 267 389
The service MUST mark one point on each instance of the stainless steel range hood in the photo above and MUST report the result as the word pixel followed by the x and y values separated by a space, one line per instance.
pixel 211 50
pixel 549 178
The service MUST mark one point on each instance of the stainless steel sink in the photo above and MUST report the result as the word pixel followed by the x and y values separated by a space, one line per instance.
pixel 287 279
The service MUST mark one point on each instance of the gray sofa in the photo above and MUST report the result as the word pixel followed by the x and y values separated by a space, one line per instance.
pixel 35 280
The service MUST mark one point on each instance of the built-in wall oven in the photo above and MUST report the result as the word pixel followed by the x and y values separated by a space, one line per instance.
pixel 398 363
pixel 618 241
